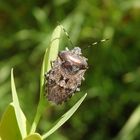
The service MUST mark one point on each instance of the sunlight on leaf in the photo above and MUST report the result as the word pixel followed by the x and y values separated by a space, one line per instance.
pixel 50 55
pixel 65 117
pixel 9 129
pixel 21 120
pixel 34 136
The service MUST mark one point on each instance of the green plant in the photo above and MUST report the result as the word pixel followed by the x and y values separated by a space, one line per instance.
pixel 14 124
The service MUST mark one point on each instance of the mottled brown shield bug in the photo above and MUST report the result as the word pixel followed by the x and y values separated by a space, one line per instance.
pixel 66 74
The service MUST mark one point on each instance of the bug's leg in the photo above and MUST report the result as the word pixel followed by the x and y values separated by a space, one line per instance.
pixel 51 62
pixel 78 89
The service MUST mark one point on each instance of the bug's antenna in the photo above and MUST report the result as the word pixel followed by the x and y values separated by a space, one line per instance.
pixel 66 33
pixel 97 42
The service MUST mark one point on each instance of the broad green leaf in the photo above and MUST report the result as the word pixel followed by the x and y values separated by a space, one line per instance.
pixel 64 118
pixel 21 120
pixel 34 136
pixel 50 55
pixel 9 129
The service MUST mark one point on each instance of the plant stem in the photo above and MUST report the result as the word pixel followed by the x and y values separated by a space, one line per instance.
pixel 40 110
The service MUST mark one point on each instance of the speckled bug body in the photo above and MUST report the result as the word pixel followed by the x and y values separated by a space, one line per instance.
pixel 66 75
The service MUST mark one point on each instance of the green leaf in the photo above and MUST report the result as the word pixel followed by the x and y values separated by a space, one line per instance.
pixel 127 131
pixel 9 129
pixel 34 136
pixel 64 118
pixel 50 55
pixel 21 120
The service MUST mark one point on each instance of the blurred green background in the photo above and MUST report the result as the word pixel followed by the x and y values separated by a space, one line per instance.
pixel 112 80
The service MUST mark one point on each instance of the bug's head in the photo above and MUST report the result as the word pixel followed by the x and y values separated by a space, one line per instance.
pixel 73 60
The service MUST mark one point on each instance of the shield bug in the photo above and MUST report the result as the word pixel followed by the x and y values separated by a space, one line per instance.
pixel 66 74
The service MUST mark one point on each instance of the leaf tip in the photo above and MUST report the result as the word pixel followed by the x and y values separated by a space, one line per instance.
pixel 12 69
